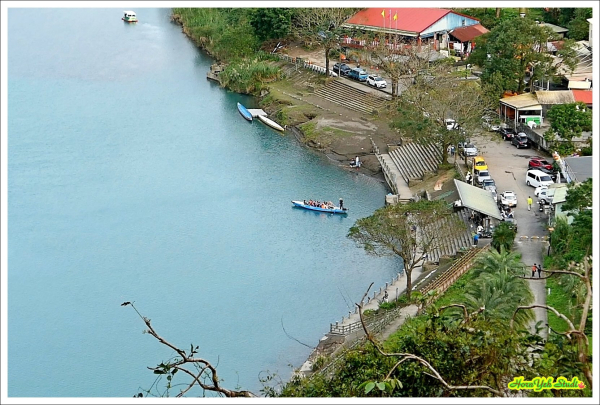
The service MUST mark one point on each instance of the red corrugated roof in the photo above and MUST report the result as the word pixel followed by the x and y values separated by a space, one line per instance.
pixel 409 19
pixel 466 34
pixel 584 96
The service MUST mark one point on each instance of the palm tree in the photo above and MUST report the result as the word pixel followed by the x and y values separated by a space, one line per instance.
pixel 500 294
pixel 504 236
pixel 495 261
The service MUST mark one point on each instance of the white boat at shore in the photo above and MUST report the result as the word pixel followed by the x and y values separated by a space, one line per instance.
pixel 270 123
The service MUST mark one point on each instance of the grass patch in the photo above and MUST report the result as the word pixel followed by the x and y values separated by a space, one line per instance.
pixel 558 300
pixel 296 115
pixel 309 129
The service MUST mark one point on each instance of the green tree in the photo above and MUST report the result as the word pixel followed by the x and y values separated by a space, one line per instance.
pixel 579 196
pixel 579 27
pixel 495 261
pixel 408 231
pixel 503 237
pixel 322 26
pixel 499 293
pixel 271 23
pixel 569 120
pixel 514 46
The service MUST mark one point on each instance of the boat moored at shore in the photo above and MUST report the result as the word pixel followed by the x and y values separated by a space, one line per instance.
pixel 244 111
pixel 270 122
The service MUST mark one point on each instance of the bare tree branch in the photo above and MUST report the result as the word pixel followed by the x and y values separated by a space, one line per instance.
pixel 207 368
pixel 293 338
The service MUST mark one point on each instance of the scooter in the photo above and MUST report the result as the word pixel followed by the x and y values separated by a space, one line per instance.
pixel 486 233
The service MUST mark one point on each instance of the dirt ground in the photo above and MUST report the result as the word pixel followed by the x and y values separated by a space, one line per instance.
pixel 338 132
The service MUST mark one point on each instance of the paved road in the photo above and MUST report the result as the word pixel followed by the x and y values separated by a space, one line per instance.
pixel 508 166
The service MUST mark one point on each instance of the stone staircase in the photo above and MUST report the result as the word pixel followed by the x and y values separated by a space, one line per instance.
pixel 413 160
pixel 364 101
pixel 449 243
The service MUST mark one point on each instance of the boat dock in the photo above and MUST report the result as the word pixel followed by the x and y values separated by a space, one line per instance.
pixel 256 112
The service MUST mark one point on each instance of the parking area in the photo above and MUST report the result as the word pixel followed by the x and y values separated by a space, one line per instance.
pixel 508 167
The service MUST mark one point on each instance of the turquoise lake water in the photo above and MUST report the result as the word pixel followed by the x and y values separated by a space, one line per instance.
pixel 131 177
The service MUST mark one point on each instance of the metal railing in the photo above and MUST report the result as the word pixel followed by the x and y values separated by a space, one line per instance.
pixel 388 174
pixel 300 62
pixel 447 278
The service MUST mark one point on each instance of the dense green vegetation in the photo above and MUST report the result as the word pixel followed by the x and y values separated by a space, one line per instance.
pixel 481 349
pixel 574 19
pixel 568 121
pixel 509 50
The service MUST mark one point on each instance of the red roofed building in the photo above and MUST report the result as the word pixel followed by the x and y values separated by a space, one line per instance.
pixel 462 39
pixel 585 96
pixel 434 24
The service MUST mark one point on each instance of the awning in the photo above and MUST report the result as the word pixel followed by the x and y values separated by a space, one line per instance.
pixel 477 199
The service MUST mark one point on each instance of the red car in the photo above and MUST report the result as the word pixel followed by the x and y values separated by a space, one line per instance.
pixel 536 162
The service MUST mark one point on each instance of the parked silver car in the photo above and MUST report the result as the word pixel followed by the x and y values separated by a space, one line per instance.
pixel 481 176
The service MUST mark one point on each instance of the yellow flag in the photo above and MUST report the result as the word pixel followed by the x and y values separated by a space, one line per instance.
pixel 395 16
pixel 383 13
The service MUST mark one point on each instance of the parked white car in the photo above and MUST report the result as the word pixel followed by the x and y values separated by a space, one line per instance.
pixel 376 81
pixel 539 189
pixel 508 199
pixel 469 150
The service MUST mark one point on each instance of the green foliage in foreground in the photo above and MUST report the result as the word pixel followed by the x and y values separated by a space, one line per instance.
pixel 480 351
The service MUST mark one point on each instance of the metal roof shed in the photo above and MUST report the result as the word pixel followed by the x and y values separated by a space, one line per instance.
pixel 522 108
pixel 477 199
pixel 579 168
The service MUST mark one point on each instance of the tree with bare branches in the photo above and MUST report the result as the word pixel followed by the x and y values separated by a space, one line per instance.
pixel 400 59
pixel 201 372
pixel 322 26
pixel 426 105
pixel 409 231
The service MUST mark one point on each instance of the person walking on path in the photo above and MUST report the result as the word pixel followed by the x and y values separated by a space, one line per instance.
pixel 476 239
pixel 533 270
pixel 529 202
pixel 539 270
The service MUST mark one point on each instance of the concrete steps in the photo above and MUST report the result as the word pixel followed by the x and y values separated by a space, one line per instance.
pixel 351 97
pixel 449 244
pixel 414 160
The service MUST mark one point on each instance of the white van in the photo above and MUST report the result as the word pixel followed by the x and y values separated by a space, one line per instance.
pixel 536 178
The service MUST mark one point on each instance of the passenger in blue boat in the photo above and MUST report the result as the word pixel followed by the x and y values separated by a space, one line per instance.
pixel 341 204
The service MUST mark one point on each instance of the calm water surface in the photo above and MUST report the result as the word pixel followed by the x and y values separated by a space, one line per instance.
pixel 133 178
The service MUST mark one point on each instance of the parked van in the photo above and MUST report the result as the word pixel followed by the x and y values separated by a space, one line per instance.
pixel 358 74
pixel 536 178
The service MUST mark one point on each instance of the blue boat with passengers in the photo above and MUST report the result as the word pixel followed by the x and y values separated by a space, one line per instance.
pixel 321 206
pixel 244 111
